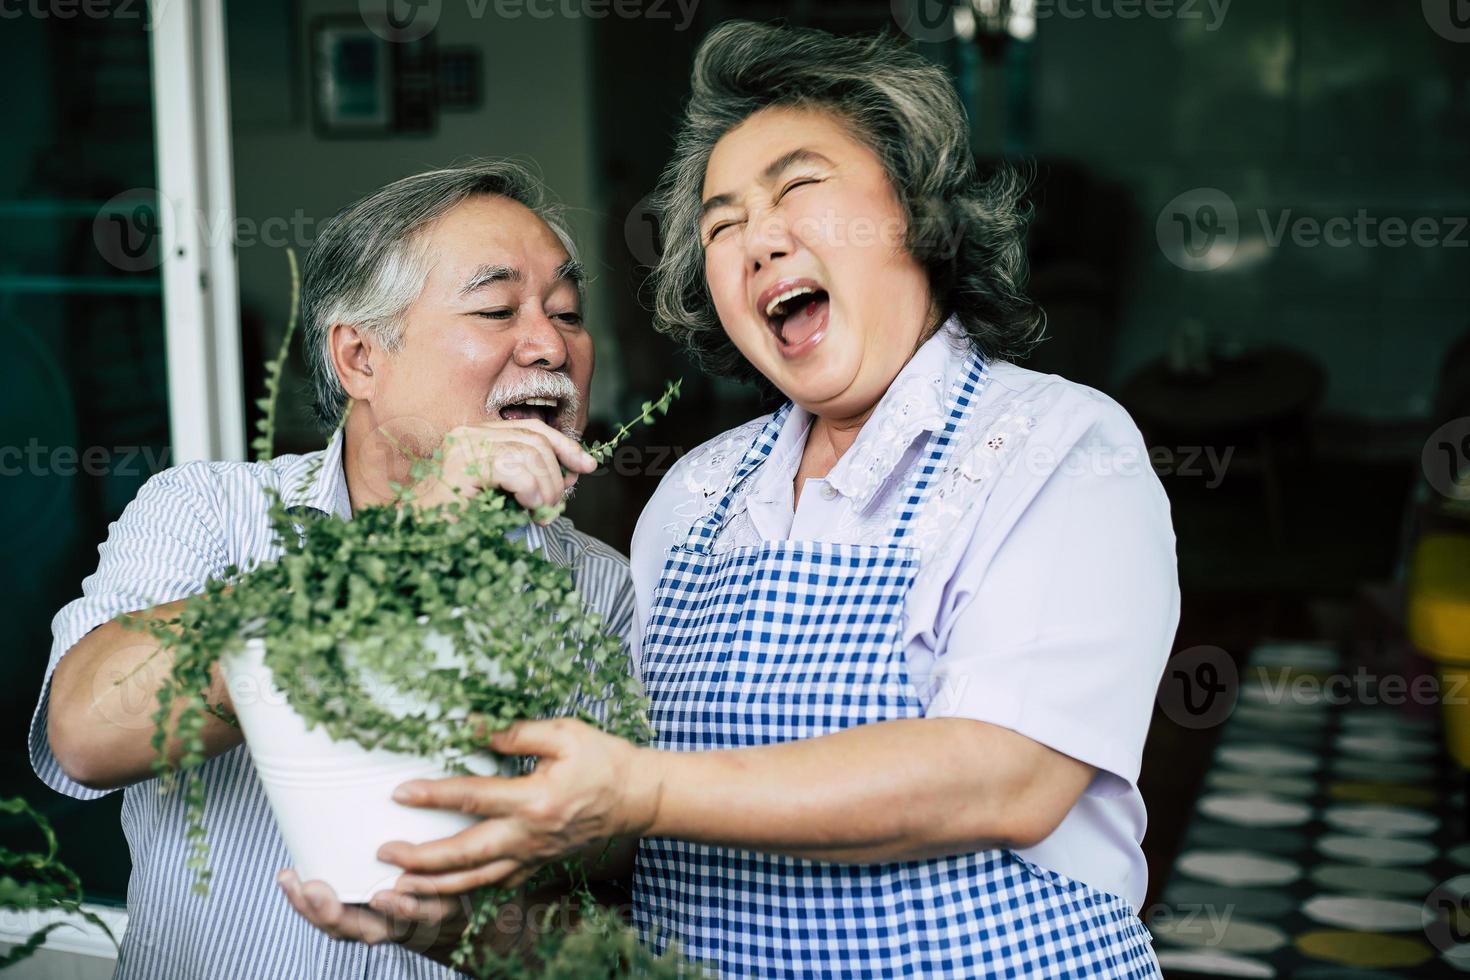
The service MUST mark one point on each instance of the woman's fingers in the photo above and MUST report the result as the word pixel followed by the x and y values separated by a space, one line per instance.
pixel 538 738
pixel 506 872
pixel 470 848
pixel 481 796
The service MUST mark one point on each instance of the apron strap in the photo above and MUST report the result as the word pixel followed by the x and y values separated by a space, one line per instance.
pixel 937 450
pixel 704 531
pixel 939 445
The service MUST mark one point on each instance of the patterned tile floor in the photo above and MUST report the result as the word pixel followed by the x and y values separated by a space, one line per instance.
pixel 1328 841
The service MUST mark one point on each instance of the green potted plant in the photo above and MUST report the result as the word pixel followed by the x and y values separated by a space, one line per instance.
pixel 36 882
pixel 378 649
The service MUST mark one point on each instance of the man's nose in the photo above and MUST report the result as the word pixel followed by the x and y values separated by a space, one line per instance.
pixel 540 344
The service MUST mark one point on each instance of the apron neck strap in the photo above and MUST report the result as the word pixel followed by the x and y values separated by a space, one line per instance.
pixel 936 453
pixel 940 444
pixel 704 531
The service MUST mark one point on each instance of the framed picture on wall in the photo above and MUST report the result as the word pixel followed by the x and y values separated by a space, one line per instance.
pixel 366 82
pixel 352 78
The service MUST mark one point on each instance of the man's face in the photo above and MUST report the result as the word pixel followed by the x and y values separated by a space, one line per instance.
pixel 498 324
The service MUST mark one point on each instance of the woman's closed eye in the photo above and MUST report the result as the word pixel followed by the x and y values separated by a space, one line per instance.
pixel 499 313
pixel 798 182
pixel 717 228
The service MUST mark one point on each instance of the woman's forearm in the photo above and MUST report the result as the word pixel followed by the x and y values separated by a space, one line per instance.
pixel 892 791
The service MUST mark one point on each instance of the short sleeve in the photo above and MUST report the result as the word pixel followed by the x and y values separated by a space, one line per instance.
pixel 165 546
pixel 1062 611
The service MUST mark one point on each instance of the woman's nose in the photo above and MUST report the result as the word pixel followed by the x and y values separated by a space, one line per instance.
pixel 767 238
pixel 541 344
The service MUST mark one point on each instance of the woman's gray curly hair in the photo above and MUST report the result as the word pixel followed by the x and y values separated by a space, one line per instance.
pixel 967 233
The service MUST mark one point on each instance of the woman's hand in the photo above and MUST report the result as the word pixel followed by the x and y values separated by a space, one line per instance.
pixel 588 786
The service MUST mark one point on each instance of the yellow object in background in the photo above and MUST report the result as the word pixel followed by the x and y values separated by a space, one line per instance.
pixel 1439 624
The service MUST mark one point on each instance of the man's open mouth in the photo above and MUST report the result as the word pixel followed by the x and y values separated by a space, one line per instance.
pixel 548 410
pixel 795 312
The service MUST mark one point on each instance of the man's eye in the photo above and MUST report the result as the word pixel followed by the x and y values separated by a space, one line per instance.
pixel 504 314
pixel 573 318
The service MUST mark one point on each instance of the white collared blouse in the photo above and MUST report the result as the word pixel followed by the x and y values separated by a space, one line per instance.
pixel 1047 596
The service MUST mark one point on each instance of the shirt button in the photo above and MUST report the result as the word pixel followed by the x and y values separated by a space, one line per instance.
pixel 829 492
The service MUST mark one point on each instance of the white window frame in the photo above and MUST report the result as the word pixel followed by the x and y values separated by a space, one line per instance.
pixel 201 298
pixel 196 190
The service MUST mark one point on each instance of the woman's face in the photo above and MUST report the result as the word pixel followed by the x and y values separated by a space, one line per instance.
pixel 805 259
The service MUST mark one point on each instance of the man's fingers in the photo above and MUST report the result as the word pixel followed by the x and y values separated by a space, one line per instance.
pixel 318 904
pixel 522 463
pixel 568 451
pixel 430 909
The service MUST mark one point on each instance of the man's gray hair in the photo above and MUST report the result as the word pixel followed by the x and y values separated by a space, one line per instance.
pixel 368 264
pixel 967 233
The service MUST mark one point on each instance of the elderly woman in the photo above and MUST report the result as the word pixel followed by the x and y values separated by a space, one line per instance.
pixel 901 638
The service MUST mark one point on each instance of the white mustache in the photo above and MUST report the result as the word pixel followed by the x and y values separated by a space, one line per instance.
pixel 542 385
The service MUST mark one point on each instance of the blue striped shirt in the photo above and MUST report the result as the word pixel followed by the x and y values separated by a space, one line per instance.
pixel 187 524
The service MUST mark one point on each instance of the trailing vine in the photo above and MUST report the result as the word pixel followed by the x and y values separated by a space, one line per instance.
pixel 36 881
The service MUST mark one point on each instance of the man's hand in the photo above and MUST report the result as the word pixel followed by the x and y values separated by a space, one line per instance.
pixel 526 458
pixel 425 924
pixel 588 786
pixel 434 926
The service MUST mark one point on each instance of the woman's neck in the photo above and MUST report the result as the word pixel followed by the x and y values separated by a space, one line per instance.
pixel 830 437
pixel 826 442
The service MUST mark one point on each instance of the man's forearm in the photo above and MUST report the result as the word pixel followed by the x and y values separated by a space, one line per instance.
pixel 104 695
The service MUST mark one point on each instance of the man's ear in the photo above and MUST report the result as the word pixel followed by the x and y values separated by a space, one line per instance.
pixel 352 358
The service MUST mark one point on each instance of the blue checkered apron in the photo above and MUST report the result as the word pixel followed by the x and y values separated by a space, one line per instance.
pixel 796 639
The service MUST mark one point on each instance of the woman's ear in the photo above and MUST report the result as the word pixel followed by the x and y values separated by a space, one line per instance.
pixel 352 358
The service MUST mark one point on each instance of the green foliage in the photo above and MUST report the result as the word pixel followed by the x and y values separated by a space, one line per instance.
pixel 602 947
pixel 265 438
pixel 38 882
pixel 355 616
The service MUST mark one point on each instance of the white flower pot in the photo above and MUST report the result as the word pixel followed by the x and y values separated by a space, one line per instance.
pixel 332 800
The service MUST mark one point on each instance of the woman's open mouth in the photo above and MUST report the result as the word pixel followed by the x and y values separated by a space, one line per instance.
pixel 796 313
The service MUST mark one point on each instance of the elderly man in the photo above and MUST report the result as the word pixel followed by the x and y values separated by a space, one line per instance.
pixel 445 303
